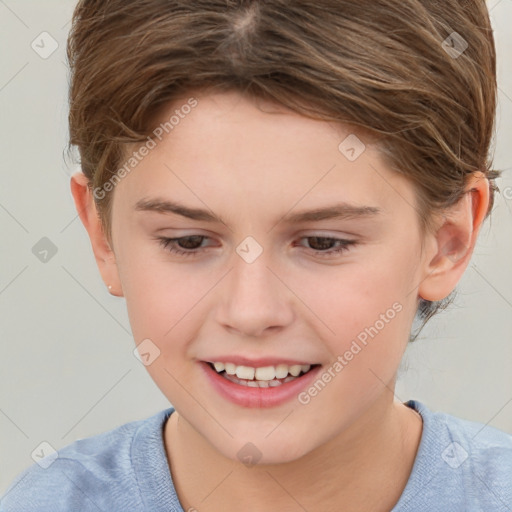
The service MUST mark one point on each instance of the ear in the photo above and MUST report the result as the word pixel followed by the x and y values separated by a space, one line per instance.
pixel 87 211
pixel 454 240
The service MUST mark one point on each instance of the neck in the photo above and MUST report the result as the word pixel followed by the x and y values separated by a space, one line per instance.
pixel 365 467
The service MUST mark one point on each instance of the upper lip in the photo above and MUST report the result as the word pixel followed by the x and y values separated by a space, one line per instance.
pixel 256 362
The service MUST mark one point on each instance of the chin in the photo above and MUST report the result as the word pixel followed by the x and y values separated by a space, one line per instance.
pixel 259 452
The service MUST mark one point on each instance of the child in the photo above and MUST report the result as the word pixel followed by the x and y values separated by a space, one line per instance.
pixel 278 189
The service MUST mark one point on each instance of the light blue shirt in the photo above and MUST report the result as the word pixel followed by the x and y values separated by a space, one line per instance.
pixel 460 466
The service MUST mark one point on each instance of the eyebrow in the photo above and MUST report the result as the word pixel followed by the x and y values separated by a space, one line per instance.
pixel 336 211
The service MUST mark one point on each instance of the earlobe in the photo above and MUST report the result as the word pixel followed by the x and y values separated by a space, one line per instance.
pixel 88 213
pixel 454 241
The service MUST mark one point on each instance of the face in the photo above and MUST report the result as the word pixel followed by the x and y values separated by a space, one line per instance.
pixel 258 277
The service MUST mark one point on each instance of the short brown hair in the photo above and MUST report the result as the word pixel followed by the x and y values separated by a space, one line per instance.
pixel 417 77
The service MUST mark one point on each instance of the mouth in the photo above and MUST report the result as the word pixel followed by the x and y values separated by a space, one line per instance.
pixel 259 386
pixel 263 376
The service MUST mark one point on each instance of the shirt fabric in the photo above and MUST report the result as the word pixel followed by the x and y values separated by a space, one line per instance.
pixel 460 466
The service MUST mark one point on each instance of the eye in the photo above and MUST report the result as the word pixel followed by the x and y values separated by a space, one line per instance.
pixel 322 245
pixel 191 244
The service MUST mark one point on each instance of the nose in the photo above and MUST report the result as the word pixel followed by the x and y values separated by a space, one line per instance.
pixel 254 298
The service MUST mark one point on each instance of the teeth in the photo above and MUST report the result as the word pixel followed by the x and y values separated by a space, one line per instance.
pixel 295 369
pixel 245 372
pixel 230 368
pixel 265 373
pixel 281 371
pixel 264 376
pixel 259 383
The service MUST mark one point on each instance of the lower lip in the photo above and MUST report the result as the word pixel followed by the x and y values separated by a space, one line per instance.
pixel 258 397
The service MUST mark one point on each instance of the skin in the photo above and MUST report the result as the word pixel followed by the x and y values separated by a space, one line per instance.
pixel 353 445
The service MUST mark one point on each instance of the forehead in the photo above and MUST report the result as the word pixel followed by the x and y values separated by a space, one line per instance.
pixel 245 154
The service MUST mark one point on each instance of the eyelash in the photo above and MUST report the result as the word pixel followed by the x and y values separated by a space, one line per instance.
pixel 168 244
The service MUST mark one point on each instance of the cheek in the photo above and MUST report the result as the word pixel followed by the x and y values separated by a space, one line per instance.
pixel 153 295
pixel 365 314
pixel 349 299
pixel 166 304
pixel 162 307
pixel 371 315
pixel 160 300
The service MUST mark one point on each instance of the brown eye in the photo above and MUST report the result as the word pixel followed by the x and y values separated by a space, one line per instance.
pixel 320 243
pixel 190 242
pixel 328 246
pixel 183 246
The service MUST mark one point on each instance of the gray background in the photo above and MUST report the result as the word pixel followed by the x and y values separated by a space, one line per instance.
pixel 67 370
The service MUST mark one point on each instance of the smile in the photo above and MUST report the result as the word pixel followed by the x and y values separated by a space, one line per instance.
pixel 263 376
pixel 259 386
